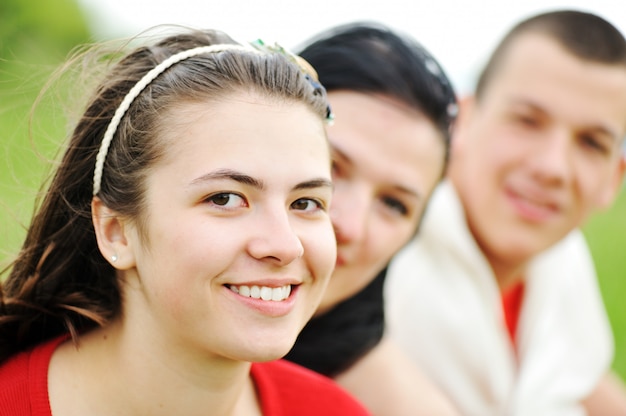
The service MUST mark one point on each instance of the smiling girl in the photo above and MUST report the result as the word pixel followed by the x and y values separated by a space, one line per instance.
pixel 185 235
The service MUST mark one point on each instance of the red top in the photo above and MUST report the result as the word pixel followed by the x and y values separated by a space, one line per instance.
pixel 512 304
pixel 287 389
pixel 284 388
pixel 24 382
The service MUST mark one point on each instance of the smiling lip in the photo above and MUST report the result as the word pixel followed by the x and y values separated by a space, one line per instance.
pixel 534 210
pixel 266 293
pixel 271 300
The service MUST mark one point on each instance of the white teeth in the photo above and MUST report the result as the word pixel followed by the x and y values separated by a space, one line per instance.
pixel 243 290
pixel 277 294
pixel 267 293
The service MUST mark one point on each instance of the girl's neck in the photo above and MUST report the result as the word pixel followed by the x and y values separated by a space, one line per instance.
pixel 114 371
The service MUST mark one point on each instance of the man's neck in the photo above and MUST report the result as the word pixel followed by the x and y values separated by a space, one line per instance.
pixel 506 273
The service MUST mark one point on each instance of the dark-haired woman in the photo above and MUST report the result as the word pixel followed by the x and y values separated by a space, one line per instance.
pixel 394 107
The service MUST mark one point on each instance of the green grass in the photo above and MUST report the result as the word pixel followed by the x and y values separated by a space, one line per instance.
pixel 33 41
pixel 23 162
pixel 606 234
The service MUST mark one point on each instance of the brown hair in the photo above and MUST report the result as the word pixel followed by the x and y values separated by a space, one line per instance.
pixel 60 282
pixel 584 35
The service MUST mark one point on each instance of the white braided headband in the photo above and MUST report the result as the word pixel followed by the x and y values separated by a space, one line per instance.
pixel 139 87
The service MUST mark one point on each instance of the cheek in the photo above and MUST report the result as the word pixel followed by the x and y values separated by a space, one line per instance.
pixel 322 248
pixel 592 185
pixel 387 238
pixel 490 164
pixel 192 240
pixel 162 284
pixel 178 255
pixel 493 143
pixel 175 299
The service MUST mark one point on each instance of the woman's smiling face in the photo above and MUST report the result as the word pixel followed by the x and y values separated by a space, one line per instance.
pixel 387 160
pixel 236 245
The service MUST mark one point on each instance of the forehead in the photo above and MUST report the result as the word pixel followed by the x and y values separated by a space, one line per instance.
pixel 374 129
pixel 537 69
pixel 245 129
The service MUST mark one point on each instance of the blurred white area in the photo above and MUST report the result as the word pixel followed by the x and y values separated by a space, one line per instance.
pixel 459 33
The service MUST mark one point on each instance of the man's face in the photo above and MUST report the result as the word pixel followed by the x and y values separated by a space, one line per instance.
pixel 540 150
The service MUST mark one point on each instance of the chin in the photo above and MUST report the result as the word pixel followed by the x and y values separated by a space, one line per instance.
pixel 519 252
pixel 270 354
pixel 270 346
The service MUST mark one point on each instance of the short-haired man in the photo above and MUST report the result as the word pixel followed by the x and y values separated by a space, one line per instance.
pixel 537 149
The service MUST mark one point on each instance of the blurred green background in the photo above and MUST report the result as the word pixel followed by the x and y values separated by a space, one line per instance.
pixel 606 234
pixel 36 36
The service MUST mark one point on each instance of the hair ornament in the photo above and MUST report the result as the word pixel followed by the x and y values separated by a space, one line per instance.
pixel 307 69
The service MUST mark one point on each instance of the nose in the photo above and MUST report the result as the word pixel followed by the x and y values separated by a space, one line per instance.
pixel 348 213
pixel 275 239
pixel 552 161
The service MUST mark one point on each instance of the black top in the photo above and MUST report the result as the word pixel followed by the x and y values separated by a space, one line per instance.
pixel 332 342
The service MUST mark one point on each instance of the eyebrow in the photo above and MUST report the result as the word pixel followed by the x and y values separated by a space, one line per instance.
pixel 601 129
pixel 408 191
pixel 244 179
pixel 230 175
pixel 314 183
pixel 400 188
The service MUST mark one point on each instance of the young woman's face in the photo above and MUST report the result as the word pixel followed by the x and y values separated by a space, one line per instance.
pixel 238 244
pixel 387 159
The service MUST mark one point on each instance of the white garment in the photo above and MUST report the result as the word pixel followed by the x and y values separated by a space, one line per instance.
pixel 443 306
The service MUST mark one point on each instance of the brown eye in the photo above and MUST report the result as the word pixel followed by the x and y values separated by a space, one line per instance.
pixel 395 205
pixel 227 200
pixel 526 120
pixel 221 199
pixel 306 204
pixel 593 143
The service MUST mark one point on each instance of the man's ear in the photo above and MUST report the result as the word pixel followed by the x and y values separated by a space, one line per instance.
pixel 615 184
pixel 466 107
pixel 112 235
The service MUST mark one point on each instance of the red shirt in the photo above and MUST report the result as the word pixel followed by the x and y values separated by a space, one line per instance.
pixel 512 305
pixel 284 388
pixel 287 389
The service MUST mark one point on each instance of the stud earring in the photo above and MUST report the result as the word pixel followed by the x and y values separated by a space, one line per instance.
pixel 114 258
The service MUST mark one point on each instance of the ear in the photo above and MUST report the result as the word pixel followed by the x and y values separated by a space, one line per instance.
pixel 466 107
pixel 614 185
pixel 112 235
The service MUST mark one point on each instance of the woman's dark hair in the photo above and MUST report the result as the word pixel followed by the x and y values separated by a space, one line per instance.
pixel 60 282
pixel 371 58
